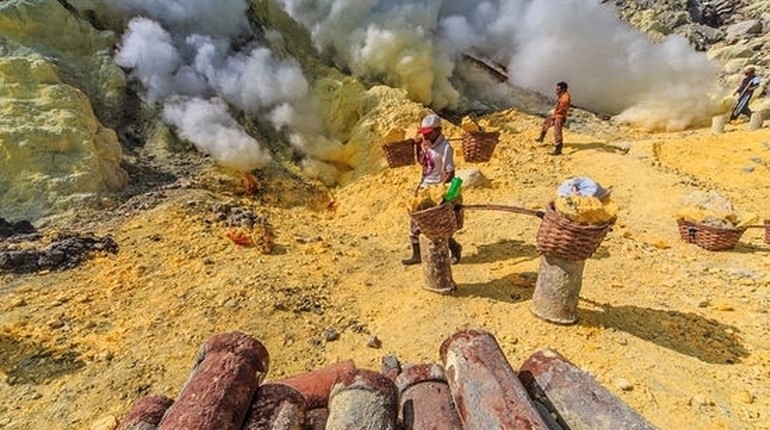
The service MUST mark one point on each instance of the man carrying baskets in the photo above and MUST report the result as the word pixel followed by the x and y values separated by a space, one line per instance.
pixel 557 118
pixel 436 156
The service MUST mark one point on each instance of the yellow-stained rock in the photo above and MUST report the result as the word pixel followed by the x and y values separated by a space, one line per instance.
pixel 84 56
pixel 56 153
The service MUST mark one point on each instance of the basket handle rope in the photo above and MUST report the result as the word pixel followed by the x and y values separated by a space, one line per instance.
pixel 504 208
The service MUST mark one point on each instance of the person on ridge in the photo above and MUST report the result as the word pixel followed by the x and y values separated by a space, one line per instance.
pixel 744 92
pixel 558 118
pixel 436 156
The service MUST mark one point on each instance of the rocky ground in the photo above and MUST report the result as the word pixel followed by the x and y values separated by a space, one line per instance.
pixel 678 332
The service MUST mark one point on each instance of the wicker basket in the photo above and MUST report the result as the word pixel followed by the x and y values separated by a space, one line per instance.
pixel 708 237
pixel 478 146
pixel 561 237
pixel 437 222
pixel 459 212
pixel 399 154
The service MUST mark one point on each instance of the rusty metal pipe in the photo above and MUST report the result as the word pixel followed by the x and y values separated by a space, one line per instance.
pixel 316 385
pixel 275 407
pixel 315 419
pixel 557 291
pixel 573 397
pixel 364 400
pixel 425 399
pixel 220 388
pixel 146 413
pixel 486 391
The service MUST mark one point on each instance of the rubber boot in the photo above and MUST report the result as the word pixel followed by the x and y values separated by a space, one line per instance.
pixel 415 258
pixel 456 249
pixel 540 138
pixel 556 150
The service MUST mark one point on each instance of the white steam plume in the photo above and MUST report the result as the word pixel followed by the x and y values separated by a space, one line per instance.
pixel 610 66
pixel 223 18
pixel 209 124
pixel 149 52
pixel 253 81
pixel 183 53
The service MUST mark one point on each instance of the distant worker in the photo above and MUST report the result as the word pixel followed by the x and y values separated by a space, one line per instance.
pixel 744 92
pixel 558 118
pixel 436 156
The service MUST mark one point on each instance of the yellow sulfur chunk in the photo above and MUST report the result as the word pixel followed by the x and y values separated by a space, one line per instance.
pixel 486 126
pixel 710 208
pixel 395 135
pixel 468 125
pixel 427 197
pixel 587 209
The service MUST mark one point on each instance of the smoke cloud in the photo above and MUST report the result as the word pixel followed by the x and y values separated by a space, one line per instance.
pixel 186 57
pixel 201 58
pixel 208 123
pixel 611 67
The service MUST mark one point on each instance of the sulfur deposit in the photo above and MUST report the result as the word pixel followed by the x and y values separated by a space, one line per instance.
pixel 56 153
pixel 427 197
pixel 472 125
pixel 394 135
pixel 587 210
pixel 585 201
pixel 711 208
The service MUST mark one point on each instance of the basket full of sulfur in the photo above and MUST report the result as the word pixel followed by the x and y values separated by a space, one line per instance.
pixel 400 153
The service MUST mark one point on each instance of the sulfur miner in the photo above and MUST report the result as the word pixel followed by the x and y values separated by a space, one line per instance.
pixel 436 156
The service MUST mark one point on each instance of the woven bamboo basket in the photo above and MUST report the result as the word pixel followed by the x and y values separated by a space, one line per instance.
pixel 561 237
pixel 478 146
pixel 708 237
pixel 437 222
pixel 459 212
pixel 399 154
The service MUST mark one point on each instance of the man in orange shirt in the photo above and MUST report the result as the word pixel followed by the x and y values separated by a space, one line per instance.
pixel 557 119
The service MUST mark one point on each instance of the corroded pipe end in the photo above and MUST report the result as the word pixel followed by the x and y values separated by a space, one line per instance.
pixel 268 396
pixel 240 344
pixel 364 379
pixel 573 397
pixel 147 411
pixel 463 337
pixel 276 406
pixel 543 357
pixel 316 385
pixel 417 373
